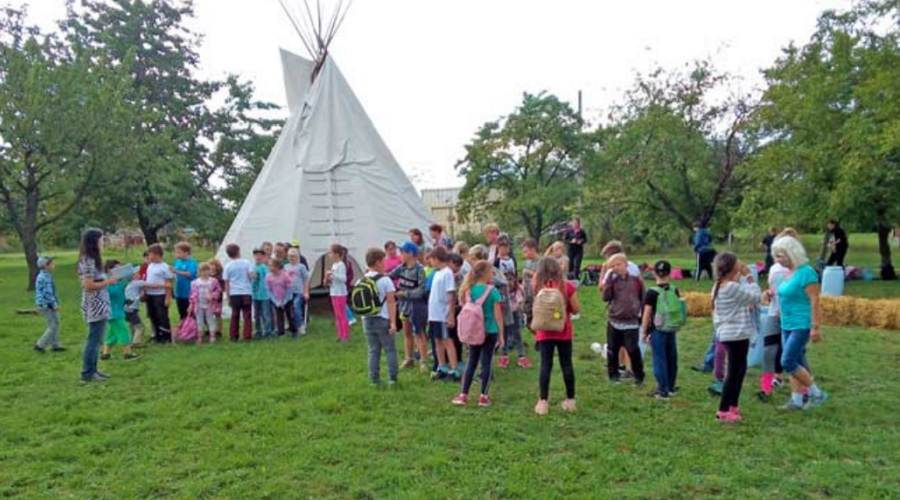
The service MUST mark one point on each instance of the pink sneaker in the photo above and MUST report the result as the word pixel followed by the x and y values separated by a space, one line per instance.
pixel 484 401
pixel 460 400
pixel 725 417
pixel 542 407
pixel 569 405
pixel 736 414
pixel 504 362
pixel 524 363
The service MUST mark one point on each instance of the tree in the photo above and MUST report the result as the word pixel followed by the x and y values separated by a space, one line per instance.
pixel 673 154
pixel 59 118
pixel 526 167
pixel 831 122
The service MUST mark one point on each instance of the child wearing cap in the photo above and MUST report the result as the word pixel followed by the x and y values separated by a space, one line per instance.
pixel 412 304
pixel 47 302
pixel 663 345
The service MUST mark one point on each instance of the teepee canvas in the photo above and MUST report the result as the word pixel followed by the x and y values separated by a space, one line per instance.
pixel 330 177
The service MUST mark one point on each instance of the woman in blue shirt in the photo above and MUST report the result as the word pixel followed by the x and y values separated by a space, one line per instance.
pixel 798 295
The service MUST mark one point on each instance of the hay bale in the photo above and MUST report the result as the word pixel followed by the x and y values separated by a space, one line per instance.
pixel 883 314
pixel 699 305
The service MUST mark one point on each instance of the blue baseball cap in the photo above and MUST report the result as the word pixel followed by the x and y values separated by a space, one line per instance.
pixel 410 248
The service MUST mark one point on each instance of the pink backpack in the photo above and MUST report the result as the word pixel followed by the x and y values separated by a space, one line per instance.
pixel 187 329
pixel 470 323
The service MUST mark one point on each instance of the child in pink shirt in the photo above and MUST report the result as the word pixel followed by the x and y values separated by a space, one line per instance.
pixel 278 284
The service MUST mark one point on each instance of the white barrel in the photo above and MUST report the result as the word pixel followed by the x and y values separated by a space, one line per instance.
pixel 833 281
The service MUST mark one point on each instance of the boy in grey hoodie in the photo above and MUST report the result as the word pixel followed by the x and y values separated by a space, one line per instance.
pixel 412 304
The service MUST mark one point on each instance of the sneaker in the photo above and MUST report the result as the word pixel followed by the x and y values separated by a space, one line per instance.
pixel 352 322
pixel 461 400
pixel 302 330
pixel 542 407
pixel 409 363
pixel 93 378
pixel 736 414
pixel 716 388
pixel 439 375
pixel 455 376
pixel 777 383
pixel 701 368
pixel 725 417
pixel 569 405
pixel 58 348
pixel 423 367
pixel 105 357
pixel 575 317
pixel 131 356
pixel 790 407
pixel 103 375
pixel 524 363
pixel 674 391
pixel 504 362
pixel 484 401
pixel 816 402
pixel 392 383
pixel 615 380
pixel 657 394
pixel 39 349
pixel 626 374
pixel 639 382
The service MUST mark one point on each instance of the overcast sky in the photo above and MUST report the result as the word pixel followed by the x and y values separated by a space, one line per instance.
pixel 429 73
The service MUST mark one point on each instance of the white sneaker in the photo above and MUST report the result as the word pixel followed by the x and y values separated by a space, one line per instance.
pixel 576 317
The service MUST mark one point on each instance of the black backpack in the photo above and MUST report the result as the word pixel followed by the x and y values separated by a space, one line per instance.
pixel 364 299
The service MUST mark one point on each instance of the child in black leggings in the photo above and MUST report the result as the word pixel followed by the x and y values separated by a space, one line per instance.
pixel 549 275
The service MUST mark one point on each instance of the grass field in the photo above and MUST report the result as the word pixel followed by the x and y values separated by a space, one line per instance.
pixel 285 419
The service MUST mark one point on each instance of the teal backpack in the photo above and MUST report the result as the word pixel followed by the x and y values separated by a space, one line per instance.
pixel 671 310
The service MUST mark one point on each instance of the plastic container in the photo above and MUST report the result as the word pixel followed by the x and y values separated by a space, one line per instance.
pixel 833 281
pixel 757 344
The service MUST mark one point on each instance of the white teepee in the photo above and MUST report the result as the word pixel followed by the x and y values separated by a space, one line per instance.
pixel 330 178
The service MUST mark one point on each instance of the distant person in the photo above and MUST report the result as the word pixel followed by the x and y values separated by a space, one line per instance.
pixel 299 291
pixel 118 331
pixel 158 290
pixel 493 235
pixel 530 252
pixel 47 301
pixel 415 236
pixel 185 270
pixel 217 273
pixel 262 306
pixel 767 244
pixel 278 288
pixel 206 302
pixel 95 307
pixel 392 258
pixel 558 251
pixel 442 316
pixel 439 238
pixel 338 279
pixel 575 239
pixel 836 243
pixel 412 304
pixel 703 249
pixel 239 275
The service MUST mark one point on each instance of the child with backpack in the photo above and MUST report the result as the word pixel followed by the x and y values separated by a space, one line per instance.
pixel 412 304
pixel 481 253
pixel 479 327
pixel 338 278
pixel 664 315
pixel 555 301
pixel 624 295
pixel 373 299
pixel 732 296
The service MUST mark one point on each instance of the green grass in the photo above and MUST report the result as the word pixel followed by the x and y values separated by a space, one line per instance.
pixel 289 419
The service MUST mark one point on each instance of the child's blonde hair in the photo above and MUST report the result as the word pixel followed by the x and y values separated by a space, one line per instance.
pixel 556 246
pixel 479 253
pixel 204 267
pixel 616 258
pixel 480 273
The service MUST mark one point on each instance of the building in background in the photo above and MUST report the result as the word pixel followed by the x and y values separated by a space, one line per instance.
pixel 442 205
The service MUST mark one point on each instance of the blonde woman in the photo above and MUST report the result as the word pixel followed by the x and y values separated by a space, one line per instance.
pixel 801 313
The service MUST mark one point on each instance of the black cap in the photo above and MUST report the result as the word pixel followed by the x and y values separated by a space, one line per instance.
pixel 662 268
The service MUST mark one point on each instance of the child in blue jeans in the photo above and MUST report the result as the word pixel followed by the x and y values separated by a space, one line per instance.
pixel 660 324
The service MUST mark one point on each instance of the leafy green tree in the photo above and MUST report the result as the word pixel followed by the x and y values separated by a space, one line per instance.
pixel 672 155
pixel 526 167
pixel 831 124
pixel 59 119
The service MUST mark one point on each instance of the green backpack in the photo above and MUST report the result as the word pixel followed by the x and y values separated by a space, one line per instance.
pixel 364 299
pixel 671 310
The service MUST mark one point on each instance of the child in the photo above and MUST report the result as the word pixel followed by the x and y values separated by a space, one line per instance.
pixel 158 289
pixel 185 270
pixel 262 307
pixel 665 350
pixel 549 274
pixel 772 369
pixel 299 291
pixel 455 264
pixel 476 285
pixel 504 263
pixel 392 259
pixel 118 331
pixel 530 252
pixel 624 295
pixel 512 330
pixel 133 292
pixel 206 302
pixel 558 251
pixel 217 273
pixel 461 248
pixel 278 288
pixel 732 295
pixel 412 304
pixel 337 278
pixel 239 276
pixel 442 315
pixel 47 301
pixel 381 328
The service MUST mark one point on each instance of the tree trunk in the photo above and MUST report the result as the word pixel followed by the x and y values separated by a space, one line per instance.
pixel 884 249
pixel 28 234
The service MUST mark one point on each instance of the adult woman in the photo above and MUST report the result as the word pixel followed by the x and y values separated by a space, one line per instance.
pixel 95 307
pixel 798 297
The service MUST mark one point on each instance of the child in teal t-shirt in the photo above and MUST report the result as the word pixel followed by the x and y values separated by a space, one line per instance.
pixel 262 307
pixel 474 287
pixel 117 331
